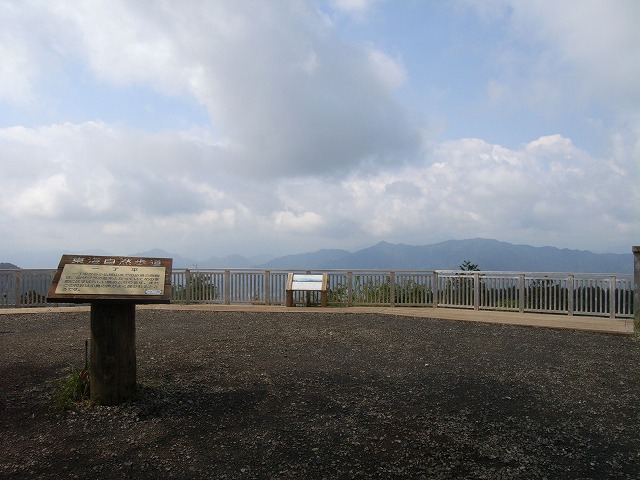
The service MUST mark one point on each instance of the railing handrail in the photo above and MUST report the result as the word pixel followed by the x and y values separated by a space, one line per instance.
pixel 401 271
pixel 295 270
pixel 553 292
pixel 515 272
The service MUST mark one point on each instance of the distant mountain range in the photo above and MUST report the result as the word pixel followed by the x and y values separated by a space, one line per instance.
pixel 490 255
pixel 487 254
pixel 230 261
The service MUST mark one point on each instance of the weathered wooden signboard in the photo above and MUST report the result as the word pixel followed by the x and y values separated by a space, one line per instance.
pixel 307 283
pixel 87 278
pixel 113 286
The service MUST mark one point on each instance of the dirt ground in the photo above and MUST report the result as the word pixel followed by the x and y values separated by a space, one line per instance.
pixel 318 395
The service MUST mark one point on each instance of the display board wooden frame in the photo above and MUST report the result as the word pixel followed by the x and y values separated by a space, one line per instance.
pixel 305 282
pixel 95 278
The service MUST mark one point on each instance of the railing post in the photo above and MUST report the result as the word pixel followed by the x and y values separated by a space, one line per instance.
pixel 521 298
pixel 227 287
pixel 636 288
pixel 350 289
pixel 267 287
pixel 476 291
pixel 187 287
pixel 612 297
pixel 17 288
pixel 436 293
pixel 570 293
pixel 392 289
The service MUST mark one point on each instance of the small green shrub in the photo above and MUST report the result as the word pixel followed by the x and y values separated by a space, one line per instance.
pixel 73 389
pixel 508 303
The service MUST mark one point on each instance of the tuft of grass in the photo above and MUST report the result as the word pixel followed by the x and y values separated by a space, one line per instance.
pixel 73 389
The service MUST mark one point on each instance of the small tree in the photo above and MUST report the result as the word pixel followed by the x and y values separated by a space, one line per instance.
pixel 467 266
pixel 464 285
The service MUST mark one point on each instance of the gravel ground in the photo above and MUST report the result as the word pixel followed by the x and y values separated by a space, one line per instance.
pixel 317 395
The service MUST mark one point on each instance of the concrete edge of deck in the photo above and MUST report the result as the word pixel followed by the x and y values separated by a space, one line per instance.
pixel 575 322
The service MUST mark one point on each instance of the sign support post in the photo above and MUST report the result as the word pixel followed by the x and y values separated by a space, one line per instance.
pixel 636 290
pixel 113 352
pixel 113 286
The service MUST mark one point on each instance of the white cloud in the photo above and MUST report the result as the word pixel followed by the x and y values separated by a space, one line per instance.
pixel 25 51
pixel 309 145
pixel 279 85
pixel 104 187
pixel 93 171
pixel 588 51
pixel 598 37
pixel 390 72
pixel 15 65
pixel 291 222
pixel 478 189
pixel 45 198
pixel 354 7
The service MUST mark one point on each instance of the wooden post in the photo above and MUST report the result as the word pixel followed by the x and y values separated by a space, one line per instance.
pixel 436 293
pixel 392 289
pixel 227 287
pixel 267 287
pixel 571 294
pixel 476 291
pixel 612 297
pixel 17 288
pixel 636 289
pixel 113 352
pixel 289 290
pixel 187 286
pixel 323 292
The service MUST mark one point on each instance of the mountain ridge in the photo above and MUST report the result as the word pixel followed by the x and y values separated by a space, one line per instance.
pixel 488 254
pixel 8 266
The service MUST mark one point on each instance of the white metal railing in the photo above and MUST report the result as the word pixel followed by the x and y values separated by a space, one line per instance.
pixel 563 293
pixel 568 293
pixel 24 288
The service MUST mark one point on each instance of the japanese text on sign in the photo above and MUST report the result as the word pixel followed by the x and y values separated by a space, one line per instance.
pixel 91 279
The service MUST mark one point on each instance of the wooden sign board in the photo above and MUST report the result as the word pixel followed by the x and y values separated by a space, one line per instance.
pixel 306 283
pixel 88 278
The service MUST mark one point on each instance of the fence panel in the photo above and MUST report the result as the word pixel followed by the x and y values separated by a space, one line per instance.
pixel 278 287
pixel 592 296
pixel 371 288
pixel 455 290
pixel 413 289
pixel 546 294
pixel 24 288
pixel 338 289
pixel 499 292
pixel 247 287
pixel 624 297
pixel 579 294
pixel 35 287
pixel 8 288
pixel 207 286
pixel 179 286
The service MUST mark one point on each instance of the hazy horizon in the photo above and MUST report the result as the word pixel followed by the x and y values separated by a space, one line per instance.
pixel 51 258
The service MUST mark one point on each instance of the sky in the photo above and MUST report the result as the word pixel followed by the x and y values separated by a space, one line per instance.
pixel 215 127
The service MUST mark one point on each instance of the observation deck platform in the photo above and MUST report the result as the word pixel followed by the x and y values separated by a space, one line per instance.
pixel 575 322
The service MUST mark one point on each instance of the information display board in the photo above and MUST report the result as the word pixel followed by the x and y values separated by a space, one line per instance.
pixel 86 278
